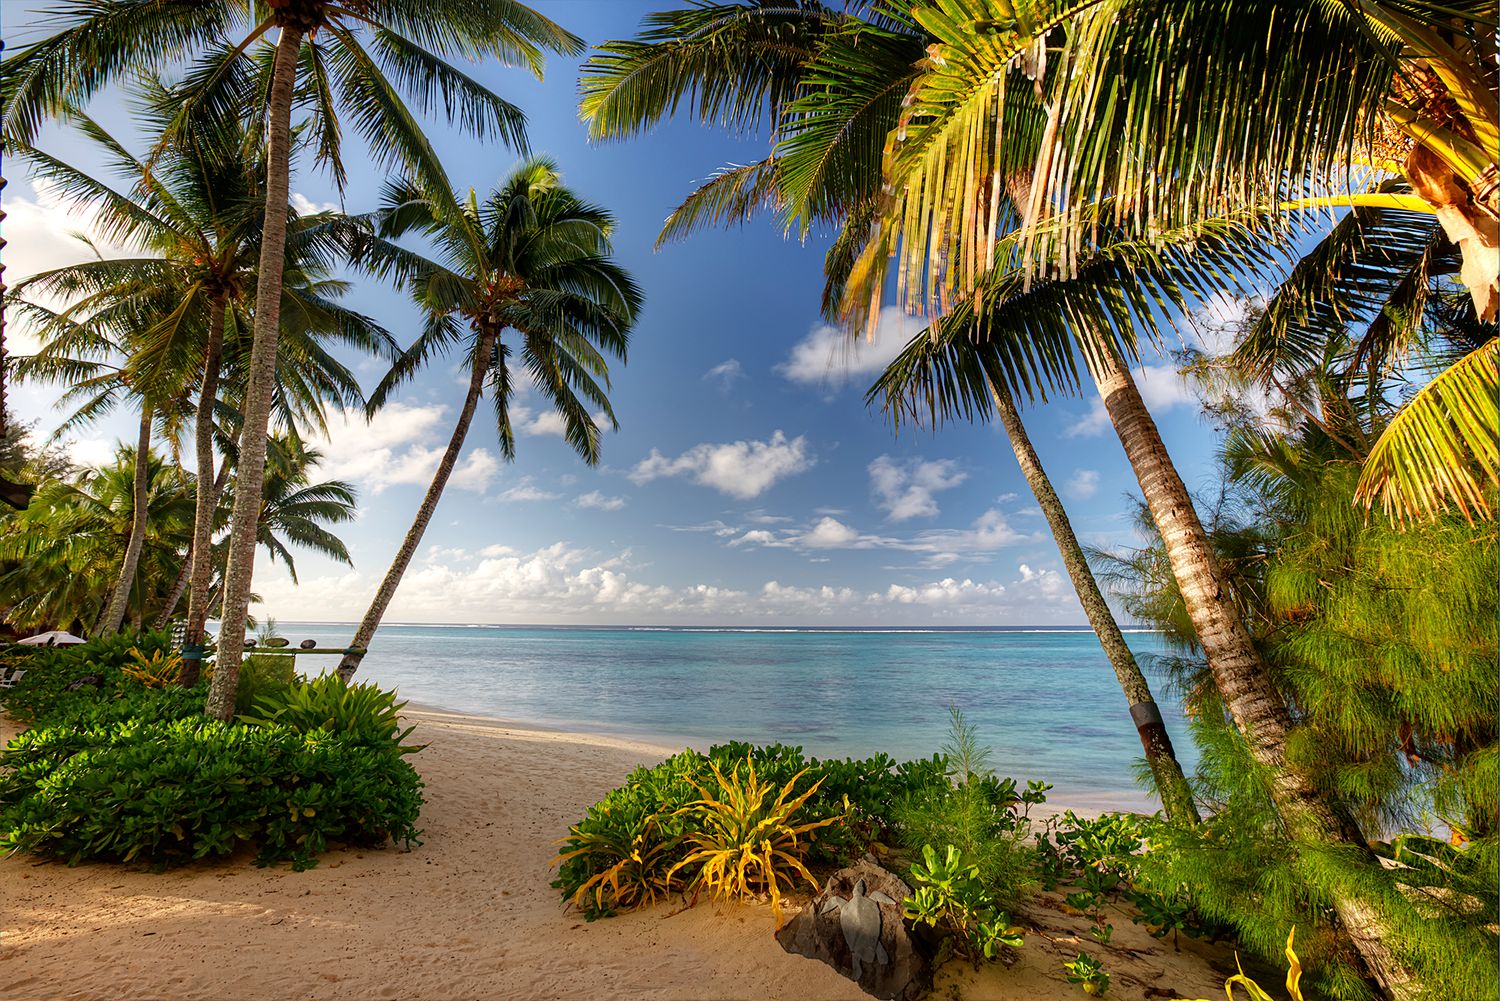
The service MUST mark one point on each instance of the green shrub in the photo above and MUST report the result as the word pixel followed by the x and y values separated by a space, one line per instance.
pixel 263 675
pixel 362 714
pixel 618 855
pixel 951 896
pixel 44 690
pixel 984 817
pixel 173 791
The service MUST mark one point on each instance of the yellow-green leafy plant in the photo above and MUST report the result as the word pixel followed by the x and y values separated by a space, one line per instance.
pixel 1258 993
pixel 156 670
pixel 745 838
pixel 639 877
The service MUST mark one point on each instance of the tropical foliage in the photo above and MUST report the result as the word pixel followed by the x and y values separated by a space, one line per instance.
pixel 59 558
pixel 118 767
pixel 1382 643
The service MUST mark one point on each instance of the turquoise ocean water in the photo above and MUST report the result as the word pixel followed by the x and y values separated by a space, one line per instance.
pixel 1045 700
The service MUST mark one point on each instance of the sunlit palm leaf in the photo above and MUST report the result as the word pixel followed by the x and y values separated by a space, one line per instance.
pixel 1439 453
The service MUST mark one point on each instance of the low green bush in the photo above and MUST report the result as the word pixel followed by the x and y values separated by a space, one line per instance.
pixel 46 691
pixel 634 835
pixel 984 817
pixel 172 791
pixel 263 675
pixel 362 714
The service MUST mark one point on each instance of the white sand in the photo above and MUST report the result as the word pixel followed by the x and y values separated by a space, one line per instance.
pixel 470 914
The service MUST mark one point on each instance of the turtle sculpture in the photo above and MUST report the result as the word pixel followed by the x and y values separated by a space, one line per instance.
pixel 859 918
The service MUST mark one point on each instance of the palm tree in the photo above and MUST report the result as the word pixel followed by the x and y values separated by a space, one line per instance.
pixel 741 60
pixel 1244 77
pixel 344 55
pixel 197 211
pixel 532 259
pixel 83 343
pixel 61 556
pixel 294 510
pixel 1324 105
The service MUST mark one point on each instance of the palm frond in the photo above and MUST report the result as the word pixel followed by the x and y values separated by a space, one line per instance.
pixel 1439 452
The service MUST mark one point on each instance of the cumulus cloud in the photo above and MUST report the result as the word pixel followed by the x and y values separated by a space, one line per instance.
pixel 527 490
pixel 1083 484
pixel 399 446
pixel 563 583
pixel 742 469
pixel 830 533
pixel 599 502
pixel 905 490
pixel 828 356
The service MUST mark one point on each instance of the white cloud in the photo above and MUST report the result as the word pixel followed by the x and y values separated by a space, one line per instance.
pixel 306 206
pixel 398 447
pixel 1083 484
pixel 43 233
pixel 830 533
pixel 562 583
pixel 905 490
pixel 939 546
pixel 830 356
pixel 547 422
pixel 599 502
pixel 725 374
pixel 475 472
pixel 527 490
pixel 742 469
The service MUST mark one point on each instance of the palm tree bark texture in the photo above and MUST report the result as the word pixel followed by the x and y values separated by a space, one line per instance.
pixel 1171 784
pixel 1259 712
pixel 250 471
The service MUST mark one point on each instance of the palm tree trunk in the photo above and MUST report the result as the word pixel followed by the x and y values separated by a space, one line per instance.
pixel 1260 713
pixel 200 566
pixel 114 612
pixel 387 590
pixel 250 476
pixel 174 597
pixel 1171 784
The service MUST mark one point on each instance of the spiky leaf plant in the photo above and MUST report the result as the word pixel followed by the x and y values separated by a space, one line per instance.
pixel 747 839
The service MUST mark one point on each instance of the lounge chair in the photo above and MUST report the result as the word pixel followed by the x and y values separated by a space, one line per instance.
pixel 10 682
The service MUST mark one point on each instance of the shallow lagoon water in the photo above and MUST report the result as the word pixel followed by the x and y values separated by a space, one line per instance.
pixel 1045 700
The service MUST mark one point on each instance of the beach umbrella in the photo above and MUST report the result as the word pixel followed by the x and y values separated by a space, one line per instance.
pixel 54 638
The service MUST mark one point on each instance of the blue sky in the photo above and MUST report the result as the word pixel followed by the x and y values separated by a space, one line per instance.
pixel 748 483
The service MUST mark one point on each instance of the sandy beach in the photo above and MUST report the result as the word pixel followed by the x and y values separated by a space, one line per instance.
pixel 471 914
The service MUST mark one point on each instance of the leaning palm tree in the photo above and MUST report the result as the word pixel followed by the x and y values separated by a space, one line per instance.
pixel 834 78
pixel 533 261
pixel 344 56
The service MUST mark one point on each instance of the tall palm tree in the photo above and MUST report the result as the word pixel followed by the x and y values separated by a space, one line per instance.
pixel 740 62
pixel 195 213
pixel 60 558
pixel 344 56
pixel 531 260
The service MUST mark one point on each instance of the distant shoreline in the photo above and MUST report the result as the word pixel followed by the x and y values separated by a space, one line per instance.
pixel 722 628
